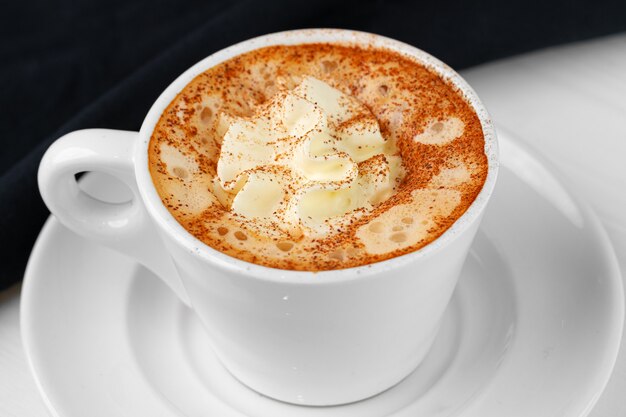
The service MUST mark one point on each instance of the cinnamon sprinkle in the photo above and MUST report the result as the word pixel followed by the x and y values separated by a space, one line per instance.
pixel 405 97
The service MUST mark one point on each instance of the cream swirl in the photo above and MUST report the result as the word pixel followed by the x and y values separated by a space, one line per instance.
pixel 304 160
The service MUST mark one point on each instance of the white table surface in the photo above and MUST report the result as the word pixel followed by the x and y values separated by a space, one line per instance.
pixel 568 102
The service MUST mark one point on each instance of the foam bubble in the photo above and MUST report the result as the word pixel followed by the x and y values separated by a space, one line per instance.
pixel 392 229
pixel 206 115
pixel 441 132
pixel 337 254
pixel 180 172
pixel 453 176
pixel 329 66
pixel 177 162
pixel 285 246
pixel 185 184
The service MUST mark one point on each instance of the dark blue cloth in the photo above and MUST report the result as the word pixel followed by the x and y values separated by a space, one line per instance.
pixel 67 65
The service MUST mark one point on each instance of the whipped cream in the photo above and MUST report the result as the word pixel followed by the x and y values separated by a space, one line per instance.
pixel 304 160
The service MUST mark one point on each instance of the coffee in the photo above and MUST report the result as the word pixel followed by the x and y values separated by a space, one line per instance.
pixel 318 156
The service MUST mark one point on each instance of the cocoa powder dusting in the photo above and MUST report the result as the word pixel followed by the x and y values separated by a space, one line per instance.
pixel 405 97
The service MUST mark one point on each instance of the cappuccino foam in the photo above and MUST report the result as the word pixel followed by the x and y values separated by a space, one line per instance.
pixel 318 156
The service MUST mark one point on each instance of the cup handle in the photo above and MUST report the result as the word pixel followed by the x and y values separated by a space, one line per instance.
pixel 125 227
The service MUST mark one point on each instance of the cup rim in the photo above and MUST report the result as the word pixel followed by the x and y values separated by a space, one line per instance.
pixel 168 224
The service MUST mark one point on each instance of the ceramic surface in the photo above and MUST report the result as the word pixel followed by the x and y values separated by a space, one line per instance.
pixel 304 337
pixel 532 330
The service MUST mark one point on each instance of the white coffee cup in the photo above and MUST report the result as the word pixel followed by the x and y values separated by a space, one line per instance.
pixel 321 338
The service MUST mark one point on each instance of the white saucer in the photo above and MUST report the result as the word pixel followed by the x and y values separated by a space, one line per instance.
pixel 533 329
